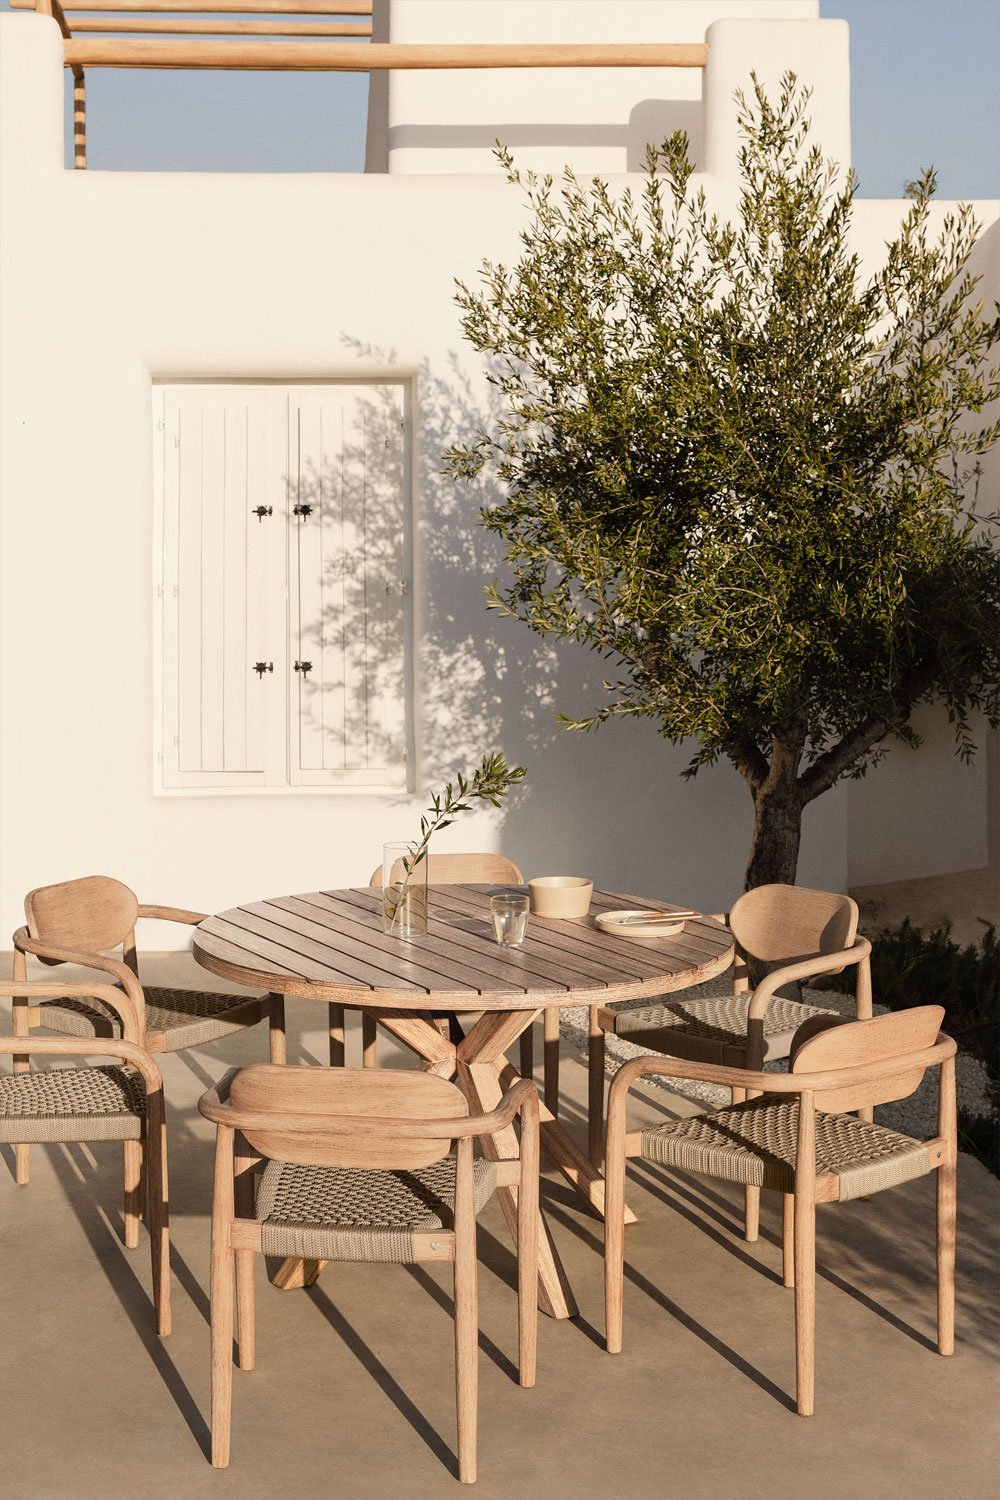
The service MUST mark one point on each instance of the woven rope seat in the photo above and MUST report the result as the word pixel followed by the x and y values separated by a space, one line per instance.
pixel 342 1213
pixel 187 1018
pixel 755 1143
pixel 72 1104
pixel 713 1028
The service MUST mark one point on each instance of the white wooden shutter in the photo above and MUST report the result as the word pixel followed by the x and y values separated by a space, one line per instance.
pixel 222 578
pixel 282 540
pixel 347 710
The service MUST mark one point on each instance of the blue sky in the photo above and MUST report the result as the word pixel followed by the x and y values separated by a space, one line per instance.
pixel 925 91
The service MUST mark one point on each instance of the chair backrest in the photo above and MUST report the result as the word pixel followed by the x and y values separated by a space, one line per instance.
pixel 469 869
pixel 785 923
pixel 881 1038
pixel 337 1095
pixel 95 913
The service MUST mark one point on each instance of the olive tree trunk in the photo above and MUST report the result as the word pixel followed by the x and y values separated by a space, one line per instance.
pixel 777 829
pixel 777 803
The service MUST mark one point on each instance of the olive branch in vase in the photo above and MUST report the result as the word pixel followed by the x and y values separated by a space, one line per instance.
pixel 490 783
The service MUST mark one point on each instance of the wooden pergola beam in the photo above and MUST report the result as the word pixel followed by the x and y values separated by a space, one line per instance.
pixel 173 25
pixel 202 7
pixel 334 57
pixel 79 120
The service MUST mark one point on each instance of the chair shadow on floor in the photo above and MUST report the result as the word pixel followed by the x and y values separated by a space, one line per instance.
pixel 102 1232
pixel 675 1311
pixel 447 1303
pixel 385 1381
pixel 671 1189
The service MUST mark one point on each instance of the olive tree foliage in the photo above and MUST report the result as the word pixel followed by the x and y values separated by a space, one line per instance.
pixel 739 468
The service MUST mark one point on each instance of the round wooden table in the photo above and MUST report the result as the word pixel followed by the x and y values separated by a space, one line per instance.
pixel 329 945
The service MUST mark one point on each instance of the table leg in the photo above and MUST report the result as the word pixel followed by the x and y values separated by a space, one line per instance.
pixel 481 1086
pixel 479 1059
pixel 294 1273
pixel 486 1043
pixel 578 1169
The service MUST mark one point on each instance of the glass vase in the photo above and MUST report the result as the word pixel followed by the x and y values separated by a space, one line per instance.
pixel 404 892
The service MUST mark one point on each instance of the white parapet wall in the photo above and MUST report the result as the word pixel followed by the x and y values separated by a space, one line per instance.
pixel 115 281
pixel 600 119
pixel 814 50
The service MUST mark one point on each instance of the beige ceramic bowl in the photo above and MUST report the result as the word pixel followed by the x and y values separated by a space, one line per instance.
pixel 560 896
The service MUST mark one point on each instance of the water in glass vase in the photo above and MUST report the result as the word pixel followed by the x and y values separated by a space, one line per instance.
pixel 404 892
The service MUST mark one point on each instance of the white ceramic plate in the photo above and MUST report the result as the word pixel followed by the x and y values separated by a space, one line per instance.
pixel 649 925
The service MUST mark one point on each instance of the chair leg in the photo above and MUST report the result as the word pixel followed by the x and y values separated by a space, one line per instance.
pixel 276 1030
pixel 132 1173
pixel 527 1041
pixel 244 1193
pixel 22 1170
pixel 596 1063
pixel 614 1230
pixel 246 1347
pixel 222 1300
pixel 369 1041
pixel 751 1195
pixel 336 1028
pixel 946 1219
pixel 550 1023
pixel 466 1316
pixel 19 1027
pixel 788 1238
pixel 805 1302
pixel 527 1253
pixel 158 1207
pixel 751 1214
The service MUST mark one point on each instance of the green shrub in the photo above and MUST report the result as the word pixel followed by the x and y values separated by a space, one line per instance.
pixel 910 967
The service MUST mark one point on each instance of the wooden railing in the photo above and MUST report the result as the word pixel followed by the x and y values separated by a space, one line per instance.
pixel 132 46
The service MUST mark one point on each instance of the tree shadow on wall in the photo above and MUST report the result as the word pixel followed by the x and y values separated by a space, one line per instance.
pixel 478 681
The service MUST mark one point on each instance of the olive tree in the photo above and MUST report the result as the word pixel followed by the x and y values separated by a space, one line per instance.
pixel 741 469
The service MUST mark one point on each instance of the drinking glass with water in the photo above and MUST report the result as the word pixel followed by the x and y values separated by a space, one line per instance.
pixel 509 914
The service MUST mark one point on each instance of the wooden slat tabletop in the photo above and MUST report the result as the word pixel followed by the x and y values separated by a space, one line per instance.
pixel 329 945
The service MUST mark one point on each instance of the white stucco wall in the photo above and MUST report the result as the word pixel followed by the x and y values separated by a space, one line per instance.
pixel 926 812
pixel 598 118
pixel 111 281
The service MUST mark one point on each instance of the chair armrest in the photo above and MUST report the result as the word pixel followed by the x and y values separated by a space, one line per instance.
pixel 173 914
pixel 120 1002
pixel 823 963
pixel 214 1105
pixel 774 1083
pixel 25 943
pixel 73 1046
pixel 521 1098
pixel 214 1102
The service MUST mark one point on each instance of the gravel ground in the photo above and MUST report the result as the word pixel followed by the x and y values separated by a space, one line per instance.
pixel 916 1116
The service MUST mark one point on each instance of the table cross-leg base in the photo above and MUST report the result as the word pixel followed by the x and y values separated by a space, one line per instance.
pixel 480 1084
pixel 578 1170
pixel 478 1060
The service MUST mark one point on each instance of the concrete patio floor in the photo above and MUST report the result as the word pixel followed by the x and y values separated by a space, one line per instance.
pixel 353 1396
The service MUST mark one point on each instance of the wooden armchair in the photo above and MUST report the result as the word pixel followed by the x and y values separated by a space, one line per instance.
pixel 358 1169
pixel 121 1102
pixel 76 922
pixel 794 933
pixel 799 1140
